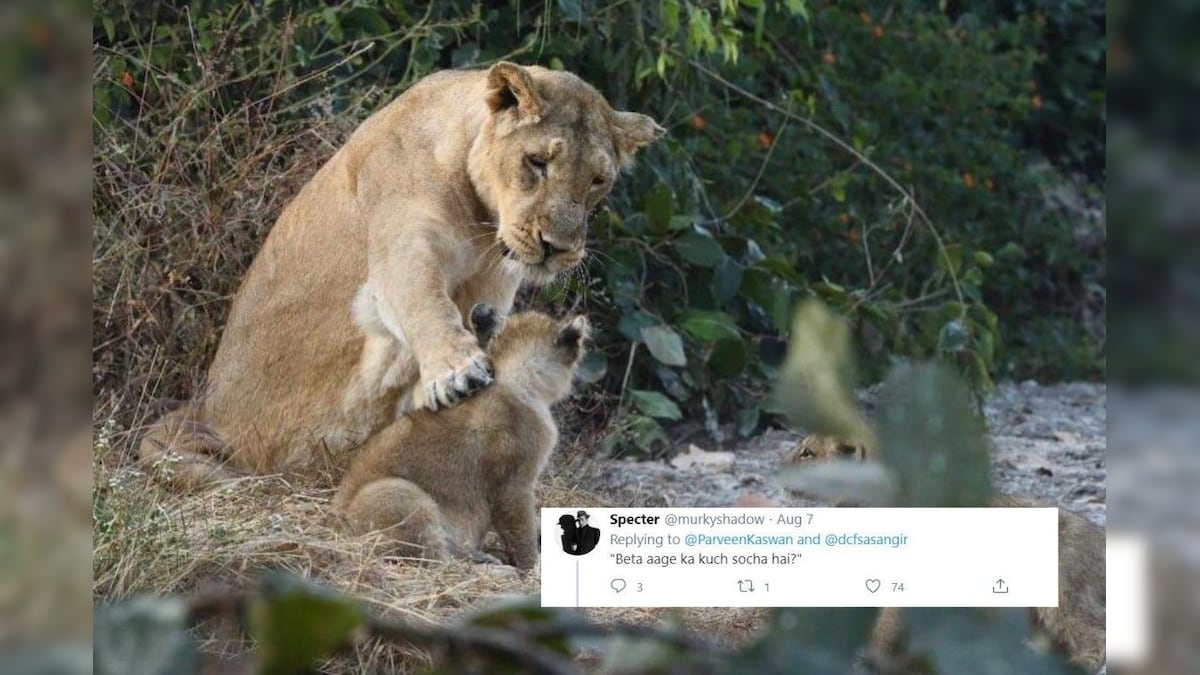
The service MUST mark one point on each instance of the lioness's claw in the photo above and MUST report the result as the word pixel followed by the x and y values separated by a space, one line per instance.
pixel 459 384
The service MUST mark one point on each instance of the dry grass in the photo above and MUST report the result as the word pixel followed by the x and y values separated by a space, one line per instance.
pixel 151 539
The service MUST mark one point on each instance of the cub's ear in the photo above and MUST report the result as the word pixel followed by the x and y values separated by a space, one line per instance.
pixel 510 85
pixel 485 323
pixel 633 130
pixel 574 333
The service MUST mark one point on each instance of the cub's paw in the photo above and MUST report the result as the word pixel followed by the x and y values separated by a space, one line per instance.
pixel 461 382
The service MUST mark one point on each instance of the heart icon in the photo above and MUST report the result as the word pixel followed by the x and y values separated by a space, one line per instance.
pixel 872 585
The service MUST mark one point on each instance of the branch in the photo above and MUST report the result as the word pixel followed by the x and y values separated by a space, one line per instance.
pixel 813 126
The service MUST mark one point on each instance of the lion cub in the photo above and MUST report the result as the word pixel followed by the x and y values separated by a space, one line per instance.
pixel 435 482
pixel 1077 624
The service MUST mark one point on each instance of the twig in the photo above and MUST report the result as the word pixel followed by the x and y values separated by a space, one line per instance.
pixel 762 168
pixel 628 371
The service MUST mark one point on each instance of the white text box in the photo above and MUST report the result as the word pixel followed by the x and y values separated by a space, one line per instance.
pixel 821 557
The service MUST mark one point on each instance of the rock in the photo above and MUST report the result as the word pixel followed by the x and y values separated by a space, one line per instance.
pixel 1066 437
pixel 751 500
pixel 697 455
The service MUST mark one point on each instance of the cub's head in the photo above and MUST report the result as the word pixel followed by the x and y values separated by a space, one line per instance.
pixel 546 156
pixel 820 448
pixel 530 351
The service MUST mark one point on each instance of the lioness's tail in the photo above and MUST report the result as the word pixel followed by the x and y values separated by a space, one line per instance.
pixel 183 450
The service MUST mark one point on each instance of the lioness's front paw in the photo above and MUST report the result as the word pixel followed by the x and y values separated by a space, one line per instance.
pixel 461 382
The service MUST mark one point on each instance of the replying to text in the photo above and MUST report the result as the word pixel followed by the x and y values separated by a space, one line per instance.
pixel 819 557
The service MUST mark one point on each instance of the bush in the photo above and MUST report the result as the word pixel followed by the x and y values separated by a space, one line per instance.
pixel 871 156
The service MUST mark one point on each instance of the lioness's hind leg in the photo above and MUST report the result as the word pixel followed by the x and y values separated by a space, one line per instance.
pixel 405 513
pixel 185 451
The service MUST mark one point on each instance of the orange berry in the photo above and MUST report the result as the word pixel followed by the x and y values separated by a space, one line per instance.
pixel 865 18
pixel 844 218
pixel 1031 86
pixel 698 123
pixel 852 236
pixel 877 31
pixel 829 58
pixel 989 184
pixel 968 180
pixel 764 140
pixel 127 80
pixel 1036 102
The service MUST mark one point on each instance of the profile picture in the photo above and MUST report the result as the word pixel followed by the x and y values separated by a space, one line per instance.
pixel 578 537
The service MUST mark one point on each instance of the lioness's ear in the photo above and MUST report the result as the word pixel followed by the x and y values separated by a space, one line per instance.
pixel 574 332
pixel 510 85
pixel 485 323
pixel 632 131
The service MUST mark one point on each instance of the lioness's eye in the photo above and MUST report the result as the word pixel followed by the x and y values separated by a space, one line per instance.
pixel 598 181
pixel 537 163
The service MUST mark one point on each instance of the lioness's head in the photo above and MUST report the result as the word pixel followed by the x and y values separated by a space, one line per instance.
pixel 531 351
pixel 548 152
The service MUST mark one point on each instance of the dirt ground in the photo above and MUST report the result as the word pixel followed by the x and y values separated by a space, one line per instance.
pixel 1048 443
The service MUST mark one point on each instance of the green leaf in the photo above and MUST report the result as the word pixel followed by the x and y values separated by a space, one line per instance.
pixel 572 9
pixel 665 345
pixel 592 368
pixel 680 223
pixel 699 249
pixel 727 279
pixel 773 295
pixel 728 358
pixel 659 206
pixel 952 338
pixel 950 259
pixel 837 187
pixel 1011 252
pixel 708 326
pixel 295 623
pixel 646 433
pixel 933 438
pixel 630 325
pixel 798 7
pixel 815 385
pixel 512 612
pixel 747 421
pixel 144 636
pixel 670 12
pixel 654 404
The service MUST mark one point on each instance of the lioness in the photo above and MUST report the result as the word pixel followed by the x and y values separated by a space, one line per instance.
pixel 1077 624
pixel 463 187
pixel 436 481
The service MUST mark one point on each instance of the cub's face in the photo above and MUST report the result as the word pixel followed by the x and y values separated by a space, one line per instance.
pixel 820 448
pixel 532 349
pixel 546 157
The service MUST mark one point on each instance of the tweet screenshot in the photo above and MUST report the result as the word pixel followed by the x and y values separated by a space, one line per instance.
pixel 800 557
